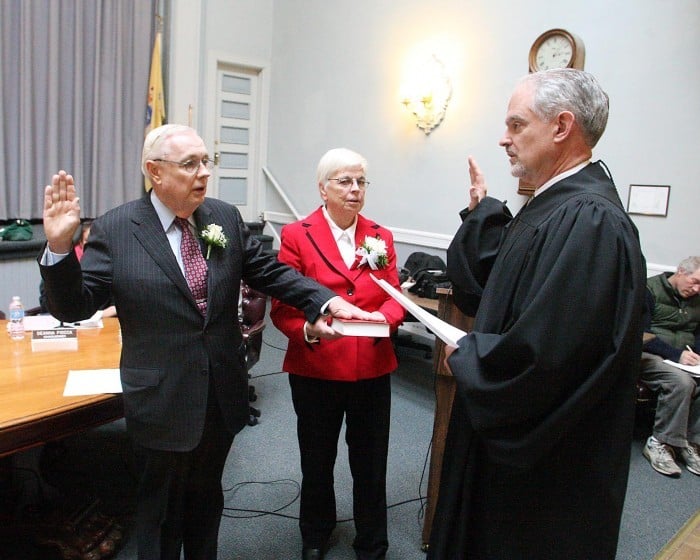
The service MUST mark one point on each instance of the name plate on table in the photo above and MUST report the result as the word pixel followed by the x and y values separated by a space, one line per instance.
pixel 54 339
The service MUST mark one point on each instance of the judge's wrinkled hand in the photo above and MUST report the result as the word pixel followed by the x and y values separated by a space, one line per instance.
pixel 477 190
pixel 61 212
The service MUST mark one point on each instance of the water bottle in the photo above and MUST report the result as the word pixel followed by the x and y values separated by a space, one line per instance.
pixel 16 319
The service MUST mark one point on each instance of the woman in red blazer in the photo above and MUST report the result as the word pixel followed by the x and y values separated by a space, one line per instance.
pixel 347 377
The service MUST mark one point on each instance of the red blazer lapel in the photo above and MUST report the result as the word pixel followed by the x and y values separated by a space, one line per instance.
pixel 319 233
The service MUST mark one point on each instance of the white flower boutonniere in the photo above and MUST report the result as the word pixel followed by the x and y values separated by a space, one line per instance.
pixel 373 252
pixel 214 236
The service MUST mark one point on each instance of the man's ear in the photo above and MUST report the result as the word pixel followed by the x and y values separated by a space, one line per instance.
pixel 153 171
pixel 565 122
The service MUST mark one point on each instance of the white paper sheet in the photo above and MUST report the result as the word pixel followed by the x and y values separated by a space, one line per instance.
pixel 46 322
pixel 692 370
pixel 92 382
pixel 446 332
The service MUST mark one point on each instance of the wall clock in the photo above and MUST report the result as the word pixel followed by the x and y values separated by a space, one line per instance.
pixel 557 48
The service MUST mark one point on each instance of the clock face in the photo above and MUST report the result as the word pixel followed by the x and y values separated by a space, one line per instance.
pixel 555 51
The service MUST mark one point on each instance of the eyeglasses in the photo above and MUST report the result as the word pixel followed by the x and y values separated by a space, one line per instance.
pixel 347 182
pixel 191 165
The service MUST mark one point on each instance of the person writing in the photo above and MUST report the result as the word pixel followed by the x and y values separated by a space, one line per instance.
pixel 184 380
pixel 673 315
pixel 344 377
pixel 538 445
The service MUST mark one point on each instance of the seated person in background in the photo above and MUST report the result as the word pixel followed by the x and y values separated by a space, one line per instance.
pixel 673 315
pixel 110 310
pixel 84 232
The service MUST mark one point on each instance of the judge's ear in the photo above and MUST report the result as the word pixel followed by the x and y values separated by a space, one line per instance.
pixel 565 124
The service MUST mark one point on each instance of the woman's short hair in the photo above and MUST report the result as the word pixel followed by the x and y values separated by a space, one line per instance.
pixel 338 158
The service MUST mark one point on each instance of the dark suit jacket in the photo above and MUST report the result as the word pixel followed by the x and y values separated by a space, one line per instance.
pixel 170 352
pixel 308 245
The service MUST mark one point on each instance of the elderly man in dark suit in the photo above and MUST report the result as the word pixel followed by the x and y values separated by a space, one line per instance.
pixel 182 365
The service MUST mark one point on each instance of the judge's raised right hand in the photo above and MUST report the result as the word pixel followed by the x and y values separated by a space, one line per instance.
pixel 477 190
pixel 61 212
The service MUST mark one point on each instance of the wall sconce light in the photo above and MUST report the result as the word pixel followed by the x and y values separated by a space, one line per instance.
pixel 426 93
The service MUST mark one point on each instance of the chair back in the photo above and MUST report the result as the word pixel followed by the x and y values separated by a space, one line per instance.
pixel 251 318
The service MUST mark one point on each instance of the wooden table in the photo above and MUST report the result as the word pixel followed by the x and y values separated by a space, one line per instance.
pixel 444 395
pixel 33 409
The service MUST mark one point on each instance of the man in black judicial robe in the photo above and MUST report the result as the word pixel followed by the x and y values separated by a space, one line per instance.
pixel 537 453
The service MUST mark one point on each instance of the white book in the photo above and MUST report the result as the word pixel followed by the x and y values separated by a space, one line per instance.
pixel 449 334
pixel 354 327
pixel 46 322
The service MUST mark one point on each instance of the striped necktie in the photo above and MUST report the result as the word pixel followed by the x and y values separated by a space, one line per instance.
pixel 195 265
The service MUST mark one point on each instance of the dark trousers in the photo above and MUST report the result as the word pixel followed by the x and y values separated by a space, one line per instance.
pixel 180 499
pixel 320 406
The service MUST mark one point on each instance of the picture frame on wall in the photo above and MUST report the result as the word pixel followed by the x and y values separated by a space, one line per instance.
pixel 648 200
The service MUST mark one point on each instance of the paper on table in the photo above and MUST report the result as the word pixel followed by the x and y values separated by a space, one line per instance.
pixel 92 382
pixel 692 370
pixel 47 322
pixel 444 331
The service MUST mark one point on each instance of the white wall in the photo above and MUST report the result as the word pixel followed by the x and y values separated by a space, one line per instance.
pixel 337 66
pixel 239 29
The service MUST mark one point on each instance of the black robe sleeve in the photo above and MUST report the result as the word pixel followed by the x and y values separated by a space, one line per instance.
pixel 473 250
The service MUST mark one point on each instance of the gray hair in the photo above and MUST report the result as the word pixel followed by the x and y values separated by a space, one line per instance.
pixel 689 265
pixel 566 89
pixel 152 145
pixel 338 158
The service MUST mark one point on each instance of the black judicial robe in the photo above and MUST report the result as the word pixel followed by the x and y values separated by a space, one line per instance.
pixel 537 451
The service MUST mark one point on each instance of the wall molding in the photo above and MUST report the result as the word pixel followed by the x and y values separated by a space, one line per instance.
pixel 653 269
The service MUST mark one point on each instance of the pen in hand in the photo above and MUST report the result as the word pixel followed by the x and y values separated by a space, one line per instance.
pixel 687 346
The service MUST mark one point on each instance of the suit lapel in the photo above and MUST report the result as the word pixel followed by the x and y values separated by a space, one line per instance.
pixel 149 231
pixel 321 238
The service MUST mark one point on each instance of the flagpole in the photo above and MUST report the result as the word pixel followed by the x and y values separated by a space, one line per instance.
pixel 155 102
